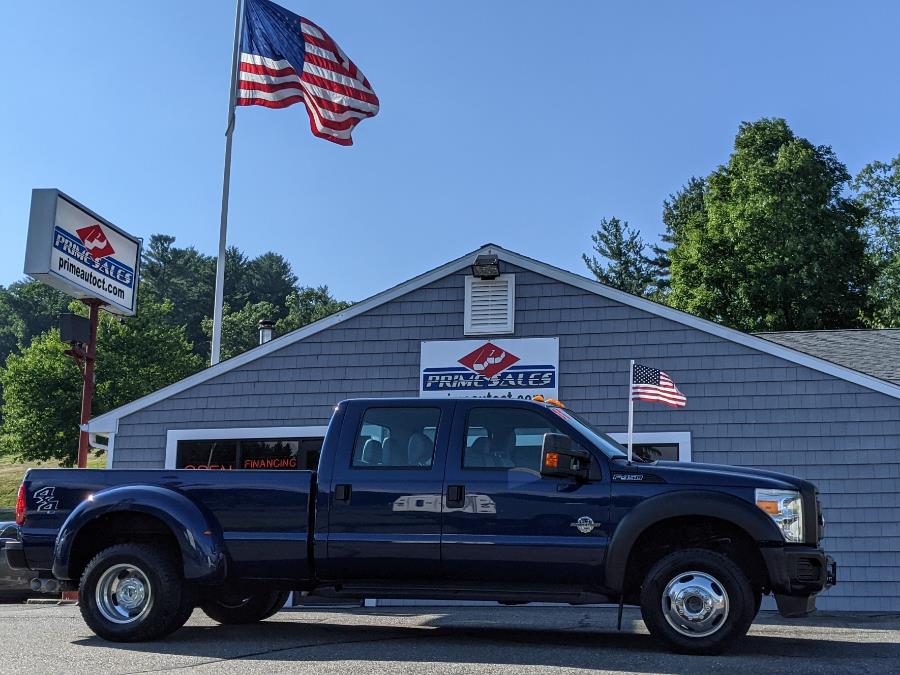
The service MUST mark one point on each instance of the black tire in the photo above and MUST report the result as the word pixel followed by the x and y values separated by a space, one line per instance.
pixel 242 608
pixel 714 606
pixel 168 601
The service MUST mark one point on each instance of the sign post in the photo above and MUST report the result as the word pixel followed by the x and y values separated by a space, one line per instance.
pixel 85 359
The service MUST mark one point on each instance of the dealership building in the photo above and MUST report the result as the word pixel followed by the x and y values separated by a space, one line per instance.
pixel 822 405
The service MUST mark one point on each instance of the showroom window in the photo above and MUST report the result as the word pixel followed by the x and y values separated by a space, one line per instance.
pixel 249 453
pixel 654 445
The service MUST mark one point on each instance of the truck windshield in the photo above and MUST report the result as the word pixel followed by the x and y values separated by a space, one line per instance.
pixel 604 443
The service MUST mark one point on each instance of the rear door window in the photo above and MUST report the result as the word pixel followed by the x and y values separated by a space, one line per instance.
pixel 396 438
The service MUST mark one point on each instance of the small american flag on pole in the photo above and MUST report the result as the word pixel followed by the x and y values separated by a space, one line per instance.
pixel 650 384
pixel 286 59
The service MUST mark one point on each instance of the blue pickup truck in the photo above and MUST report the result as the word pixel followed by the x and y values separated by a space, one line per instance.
pixel 475 499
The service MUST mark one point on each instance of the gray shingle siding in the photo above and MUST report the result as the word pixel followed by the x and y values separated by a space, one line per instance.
pixel 744 407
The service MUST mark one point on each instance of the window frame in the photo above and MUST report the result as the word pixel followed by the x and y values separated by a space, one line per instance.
pixel 680 438
pixel 237 434
pixel 362 422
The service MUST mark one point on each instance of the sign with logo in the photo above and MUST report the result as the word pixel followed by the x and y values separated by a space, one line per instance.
pixel 501 368
pixel 73 249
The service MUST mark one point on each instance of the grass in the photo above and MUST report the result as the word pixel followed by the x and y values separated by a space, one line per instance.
pixel 12 471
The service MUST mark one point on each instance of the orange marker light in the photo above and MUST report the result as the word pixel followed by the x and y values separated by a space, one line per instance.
pixel 769 506
pixel 551 460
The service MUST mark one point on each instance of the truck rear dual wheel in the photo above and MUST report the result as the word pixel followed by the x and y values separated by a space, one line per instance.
pixel 242 608
pixel 134 593
pixel 697 601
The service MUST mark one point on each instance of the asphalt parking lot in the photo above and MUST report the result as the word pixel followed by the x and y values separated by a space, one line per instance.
pixel 499 641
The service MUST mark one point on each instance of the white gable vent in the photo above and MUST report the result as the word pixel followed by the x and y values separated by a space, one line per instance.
pixel 490 305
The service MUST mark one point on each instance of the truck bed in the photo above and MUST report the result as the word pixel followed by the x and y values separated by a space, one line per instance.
pixel 265 516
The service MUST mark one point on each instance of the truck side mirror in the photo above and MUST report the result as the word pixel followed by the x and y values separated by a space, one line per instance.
pixel 561 460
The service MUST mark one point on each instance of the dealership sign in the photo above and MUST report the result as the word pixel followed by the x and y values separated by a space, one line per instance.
pixel 73 249
pixel 502 368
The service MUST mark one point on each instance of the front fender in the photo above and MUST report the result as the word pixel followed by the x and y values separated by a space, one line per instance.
pixel 198 535
pixel 699 503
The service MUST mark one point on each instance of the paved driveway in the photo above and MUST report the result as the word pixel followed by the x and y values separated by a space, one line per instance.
pixel 495 641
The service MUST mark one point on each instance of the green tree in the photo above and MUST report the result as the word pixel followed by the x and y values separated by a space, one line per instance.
pixel 36 307
pixel 683 212
pixel 878 187
pixel 42 386
pixel 780 247
pixel 270 279
pixel 11 326
pixel 41 402
pixel 27 308
pixel 186 278
pixel 309 304
pixel 140 355
pixel 622 263
pixel 240 329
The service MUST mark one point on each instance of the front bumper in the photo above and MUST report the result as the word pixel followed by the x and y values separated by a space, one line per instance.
pixel 797 574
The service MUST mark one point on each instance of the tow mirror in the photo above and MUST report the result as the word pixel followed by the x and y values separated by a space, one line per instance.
pixel 560 459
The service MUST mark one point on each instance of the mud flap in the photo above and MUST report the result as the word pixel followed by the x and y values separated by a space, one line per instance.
pixel 795 607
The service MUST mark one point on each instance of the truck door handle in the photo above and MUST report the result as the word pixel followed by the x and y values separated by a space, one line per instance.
pixel 342 493
pixel 456 496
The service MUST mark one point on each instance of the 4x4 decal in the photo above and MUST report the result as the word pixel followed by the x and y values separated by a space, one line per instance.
pixel 46 500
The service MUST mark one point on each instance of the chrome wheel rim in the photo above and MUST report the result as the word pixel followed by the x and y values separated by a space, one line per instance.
pixel 123 594
pixel 695 604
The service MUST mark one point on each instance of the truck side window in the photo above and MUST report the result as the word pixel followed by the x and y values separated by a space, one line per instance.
pixel 505 438
pixel 396 438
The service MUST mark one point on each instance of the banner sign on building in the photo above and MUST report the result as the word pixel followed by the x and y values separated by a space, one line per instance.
pixel 500 368
pixel 73 249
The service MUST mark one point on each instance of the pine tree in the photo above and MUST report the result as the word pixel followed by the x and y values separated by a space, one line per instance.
pixel 622 263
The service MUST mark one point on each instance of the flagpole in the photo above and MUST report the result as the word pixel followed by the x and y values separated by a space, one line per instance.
pixel 630 408
pixel 226 184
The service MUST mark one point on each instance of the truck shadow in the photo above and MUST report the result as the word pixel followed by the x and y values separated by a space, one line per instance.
pixel 442 640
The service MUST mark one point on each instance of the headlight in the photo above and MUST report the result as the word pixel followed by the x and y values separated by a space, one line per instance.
pixel 785 507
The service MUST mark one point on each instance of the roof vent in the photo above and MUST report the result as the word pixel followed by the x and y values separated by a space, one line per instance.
pixel 490 305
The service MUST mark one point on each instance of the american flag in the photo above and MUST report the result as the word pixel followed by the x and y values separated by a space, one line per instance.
pixel 286 59
pixel 650 384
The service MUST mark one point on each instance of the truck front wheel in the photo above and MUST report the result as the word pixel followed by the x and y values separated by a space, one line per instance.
pixel 134 592
pixel 238 608
pixel 697 601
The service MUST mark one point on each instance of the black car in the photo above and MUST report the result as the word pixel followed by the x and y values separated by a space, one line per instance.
pixel 15 586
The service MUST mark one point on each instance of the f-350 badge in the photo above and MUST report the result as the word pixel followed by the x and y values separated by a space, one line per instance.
pixel 585 524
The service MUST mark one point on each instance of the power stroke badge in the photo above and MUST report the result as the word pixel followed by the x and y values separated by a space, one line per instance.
pixel 585 524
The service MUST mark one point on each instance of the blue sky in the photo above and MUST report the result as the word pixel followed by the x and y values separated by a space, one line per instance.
pixel 521 123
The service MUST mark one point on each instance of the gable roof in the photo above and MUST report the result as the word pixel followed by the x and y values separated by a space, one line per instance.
pixel 108 422
pixel 874 352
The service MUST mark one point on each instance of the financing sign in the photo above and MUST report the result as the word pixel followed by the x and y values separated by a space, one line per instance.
pixel 501 368
pixel 73 249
